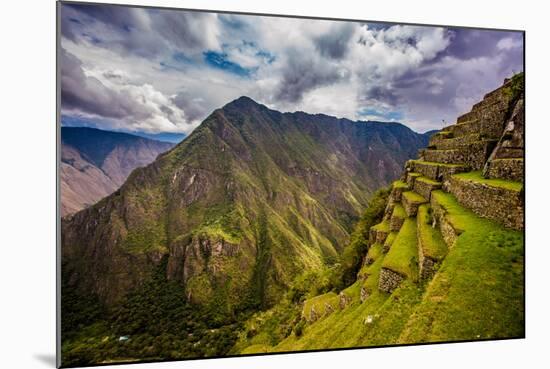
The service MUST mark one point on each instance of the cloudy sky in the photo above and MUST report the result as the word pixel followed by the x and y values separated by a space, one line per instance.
pixel 163 71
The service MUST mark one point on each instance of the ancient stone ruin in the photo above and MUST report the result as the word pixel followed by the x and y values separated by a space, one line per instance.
pixel 479 161
pixel 471 169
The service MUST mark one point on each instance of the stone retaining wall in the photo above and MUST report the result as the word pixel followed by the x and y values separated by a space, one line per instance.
pixel 427 266
pixel 425 188
pixel 344 300
pixel 427 170
pixel 469 116
pixel 477 153
pixel 510 169
pixel 455 156
pixel 448 232
pixel 410 207
pixel 500 204
pixel 396 223
pixel 389 209
pixel 439 137
pixel 389 280
pixel 376 235
pixel 365 293
pixel 410 179
pixel 445 172
pixel 458 142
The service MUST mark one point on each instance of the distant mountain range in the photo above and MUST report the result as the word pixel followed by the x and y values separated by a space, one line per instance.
pixel 95 163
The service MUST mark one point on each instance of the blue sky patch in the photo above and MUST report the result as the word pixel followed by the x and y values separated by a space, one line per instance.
pixel 220 61
pixel 388 116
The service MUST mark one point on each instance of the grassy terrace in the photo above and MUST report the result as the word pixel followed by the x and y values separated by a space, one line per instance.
pixel 414 197
pixel 477 177
pixel 319 304
pixel 508 159
pixel 347 328
pixel 472 121
pixel 415 175
pixel 373 272
pixel 403 255
pixel 478 290
pixel 445 134
pixel 422 162
pixel 428 181
pixel 399 184
pixel 382 226
pixel 432 241
pixel 374 251
pixel 476 293
pixel 399 211
pixel 390 239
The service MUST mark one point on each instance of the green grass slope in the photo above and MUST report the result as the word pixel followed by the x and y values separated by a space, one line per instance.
pixel 476 293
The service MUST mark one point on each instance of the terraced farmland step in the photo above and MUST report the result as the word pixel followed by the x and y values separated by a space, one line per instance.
pixel 467 117
pixel 465 128
pixel 440 136
pixel 411 176
pixel 455 156
pixel 480 279
pixel 510 169
pixel 397 218
pixel 473 154
pixel 398 187
pixel 496 199
pixel 320 306
pixel 402 260
pixel 379 232
pixel 490 128
pixel 488 102
pixel 370 276
pixel 424 186
pixel 431 245
pixel 457 142
pixel 411 201
pixel 375 251
pixel 389 241
pixel 436 171
pixel 395 197
pixel 446 212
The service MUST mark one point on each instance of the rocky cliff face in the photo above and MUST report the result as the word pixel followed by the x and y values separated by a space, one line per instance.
pixel 248 201
pixel 94 163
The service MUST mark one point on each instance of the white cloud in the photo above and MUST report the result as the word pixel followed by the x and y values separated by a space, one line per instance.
pixel 331 67
pixel 509 43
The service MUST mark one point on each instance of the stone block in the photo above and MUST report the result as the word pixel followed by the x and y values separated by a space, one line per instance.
pixel 424 187
pixel 510 169
pixel 389 280
pixel 494 202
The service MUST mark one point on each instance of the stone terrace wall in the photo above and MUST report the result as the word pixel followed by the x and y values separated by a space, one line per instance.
pixel 389 280
pixel 504 206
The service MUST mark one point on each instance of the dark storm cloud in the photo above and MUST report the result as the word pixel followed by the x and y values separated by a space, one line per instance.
pixel 193 107
pixel 335 43
pixel 303 73
pixel 137 31
pixel 444 87
pixel 386 94
pixel 472 43
pixel 89 95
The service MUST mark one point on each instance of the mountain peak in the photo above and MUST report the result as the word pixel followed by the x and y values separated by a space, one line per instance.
pixel 243 102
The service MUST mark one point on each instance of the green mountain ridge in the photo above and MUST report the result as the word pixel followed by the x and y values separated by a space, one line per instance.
pixel 200 203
